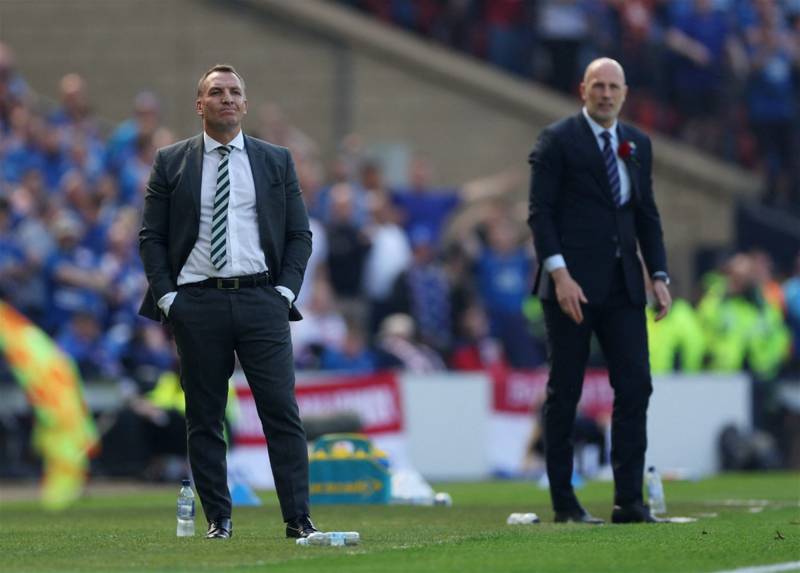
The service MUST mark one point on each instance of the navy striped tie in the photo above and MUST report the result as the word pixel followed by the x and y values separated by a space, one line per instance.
pixel 611 168
pixel 219 220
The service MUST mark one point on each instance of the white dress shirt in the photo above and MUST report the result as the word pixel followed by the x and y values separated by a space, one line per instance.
pixel 557 261
pixel 245 255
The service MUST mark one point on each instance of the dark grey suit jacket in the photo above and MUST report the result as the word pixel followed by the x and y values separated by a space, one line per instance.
pixel 572 211
pixel 171 219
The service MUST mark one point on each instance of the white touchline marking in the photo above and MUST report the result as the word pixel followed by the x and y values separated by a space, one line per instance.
pixel 788 566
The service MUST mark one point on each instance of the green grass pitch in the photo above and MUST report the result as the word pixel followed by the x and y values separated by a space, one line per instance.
pixel 744 520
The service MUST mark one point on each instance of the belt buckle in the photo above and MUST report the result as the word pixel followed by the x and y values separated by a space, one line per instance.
pixel 221 284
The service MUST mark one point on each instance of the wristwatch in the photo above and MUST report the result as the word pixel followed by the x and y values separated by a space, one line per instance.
pixel 661 276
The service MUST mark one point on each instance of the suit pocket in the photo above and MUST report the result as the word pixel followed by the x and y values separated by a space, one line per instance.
pixel 173 308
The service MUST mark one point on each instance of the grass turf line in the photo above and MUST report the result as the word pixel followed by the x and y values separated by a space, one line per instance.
pixel 137 533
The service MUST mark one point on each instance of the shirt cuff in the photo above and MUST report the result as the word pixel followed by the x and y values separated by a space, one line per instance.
pixel 554 262
pixel 286 293
pixel 165 302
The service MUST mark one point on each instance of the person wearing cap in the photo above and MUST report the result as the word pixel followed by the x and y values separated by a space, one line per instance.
pixel 225 240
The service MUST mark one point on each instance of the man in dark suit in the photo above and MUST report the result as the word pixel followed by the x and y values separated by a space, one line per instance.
pixel 225 241
pixel 591 205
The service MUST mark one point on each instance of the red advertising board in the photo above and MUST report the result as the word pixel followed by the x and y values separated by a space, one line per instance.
pixel 521 391
pixel 375 398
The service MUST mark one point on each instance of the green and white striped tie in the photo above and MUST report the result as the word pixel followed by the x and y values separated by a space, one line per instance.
pixel 219 219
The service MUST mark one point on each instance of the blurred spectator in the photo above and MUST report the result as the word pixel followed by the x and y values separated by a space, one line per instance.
pixel 146 356
pixel 18 146
pixel 146 119
pixel 51 157
pixel 702 43
pixel 423 293
pixel 147 436
pixel 791 291
pixel 74 117
pixel 677 342
pixel 13 89
pixel 73 283
pixel 509 35
pixel 475 348
pixel 397 347
pixel 354 354
pixel 317 263
pixel 425 210
pixel 80 202
pixel 81 337
pixel 342 174
pixel 389 255
pixel 742 329
pixel 504 273
pixel 134 169
pixel 773 55
pixel 121 265
pixel 273 126
pixel 31 213
pixel 347 244
pixel 14 267
pixel 764 278
pixel 323 326
pixel 563 28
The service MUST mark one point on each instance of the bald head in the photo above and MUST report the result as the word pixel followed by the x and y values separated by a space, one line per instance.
pixel 603 90
pixel 604 64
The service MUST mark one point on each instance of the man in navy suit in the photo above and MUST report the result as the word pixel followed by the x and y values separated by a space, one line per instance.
pixel 591 210
pixel 225 240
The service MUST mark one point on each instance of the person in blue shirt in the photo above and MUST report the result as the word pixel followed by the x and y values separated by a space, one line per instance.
pixel 71 276
pixel 425 210
pixel 14 268
pixel 771 103
pixel 504 272
pixel 122 144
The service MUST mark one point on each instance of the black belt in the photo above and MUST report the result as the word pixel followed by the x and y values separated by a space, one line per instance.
pixel 232 283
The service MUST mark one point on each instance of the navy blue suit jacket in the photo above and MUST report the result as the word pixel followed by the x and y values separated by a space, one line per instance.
pixel 572 211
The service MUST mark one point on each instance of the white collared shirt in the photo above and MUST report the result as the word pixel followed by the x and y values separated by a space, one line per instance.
pixel 554 262
pixel 245 255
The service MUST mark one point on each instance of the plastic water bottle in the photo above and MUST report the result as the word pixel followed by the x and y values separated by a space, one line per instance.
pixel 185 510
pixel 522 519
pixel 332 538
pixel 655 491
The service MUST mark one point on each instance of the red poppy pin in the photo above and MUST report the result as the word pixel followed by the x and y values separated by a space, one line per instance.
pixel 627 150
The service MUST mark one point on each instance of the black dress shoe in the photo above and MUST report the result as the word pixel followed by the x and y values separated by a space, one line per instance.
pixel 300 527
pixel 578 515
pixel 220 529
pixel 638 513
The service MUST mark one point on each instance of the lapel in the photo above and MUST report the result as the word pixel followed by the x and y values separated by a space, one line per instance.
pixel 592 150
pixel 193 172
pixel 263 178
pixel 623 134
pixel 268 200
pixel 258 165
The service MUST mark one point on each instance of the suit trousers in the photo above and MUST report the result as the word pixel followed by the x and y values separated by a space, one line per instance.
pixel 621 330
pixel 210 327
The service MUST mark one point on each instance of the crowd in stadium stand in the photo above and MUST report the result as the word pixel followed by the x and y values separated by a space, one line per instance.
pixel 724 75
pixel 392 282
